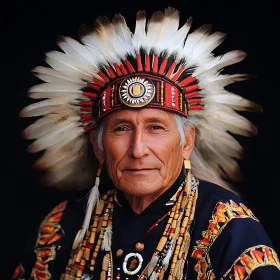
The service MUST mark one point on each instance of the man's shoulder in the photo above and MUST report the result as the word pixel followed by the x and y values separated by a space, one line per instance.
pixel 208 190
pixel 214 201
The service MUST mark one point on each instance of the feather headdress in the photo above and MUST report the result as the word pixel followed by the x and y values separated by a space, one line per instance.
pixel 159 65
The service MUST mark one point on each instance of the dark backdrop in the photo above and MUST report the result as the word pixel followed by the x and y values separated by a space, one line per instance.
pixel 29 28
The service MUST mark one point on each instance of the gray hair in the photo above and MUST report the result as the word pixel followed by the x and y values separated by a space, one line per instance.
pixel 200 167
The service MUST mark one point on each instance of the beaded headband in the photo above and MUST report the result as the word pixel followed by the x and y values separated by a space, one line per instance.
pixel 159 65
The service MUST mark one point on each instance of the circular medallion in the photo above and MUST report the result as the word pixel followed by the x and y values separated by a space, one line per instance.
pixel 132 263
pixel 136 91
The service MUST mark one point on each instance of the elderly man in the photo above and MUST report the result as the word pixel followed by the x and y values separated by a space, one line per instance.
pixel 153 104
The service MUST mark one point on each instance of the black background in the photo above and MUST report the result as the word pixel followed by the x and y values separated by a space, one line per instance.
pixel 29 28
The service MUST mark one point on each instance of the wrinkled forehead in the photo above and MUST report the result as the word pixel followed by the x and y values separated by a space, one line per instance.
pixel 137 116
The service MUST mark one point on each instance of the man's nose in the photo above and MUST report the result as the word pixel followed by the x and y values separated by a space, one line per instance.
pixel 139 144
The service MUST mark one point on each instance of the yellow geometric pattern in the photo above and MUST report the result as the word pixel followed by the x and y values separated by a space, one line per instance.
pixel 49 233
pixel 251 259
pixel 223 213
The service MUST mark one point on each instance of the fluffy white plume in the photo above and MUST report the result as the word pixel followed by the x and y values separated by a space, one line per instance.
pixel 124 33
pixel 51 75
pixel 92 202
pixel 161 27
pixel 139 38
pixel 56 89
pixel 62 62
pixel 220 62
pixel 107 239
pixel 176 42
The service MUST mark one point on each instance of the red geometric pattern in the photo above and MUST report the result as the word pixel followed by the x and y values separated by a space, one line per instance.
pixel 251 259
pixel 50 232
pixel 223 213
pixel 45 249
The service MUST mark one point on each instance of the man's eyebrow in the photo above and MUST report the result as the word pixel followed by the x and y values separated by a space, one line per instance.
pixel 114 121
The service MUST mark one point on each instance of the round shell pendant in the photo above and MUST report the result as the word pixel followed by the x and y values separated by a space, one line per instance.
pixel 132 263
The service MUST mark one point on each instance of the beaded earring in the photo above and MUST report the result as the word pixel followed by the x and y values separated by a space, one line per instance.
pixel 187 164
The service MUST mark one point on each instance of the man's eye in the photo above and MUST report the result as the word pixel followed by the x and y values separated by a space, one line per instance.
pixel 156 127
pixel 121 128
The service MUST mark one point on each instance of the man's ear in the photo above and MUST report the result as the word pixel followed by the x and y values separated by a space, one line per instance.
pixel 190 139
pixel 98 153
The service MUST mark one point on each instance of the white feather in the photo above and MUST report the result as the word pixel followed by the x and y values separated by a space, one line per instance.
pixel 57 89
pixel 226 118
pixel 93 199
pixel 194 37
pixel 52 75
pixel 62 62
pixel 224 80
pixel 152 264
pixel 221 61
pixel 176 42
pixel 169 27
pixel 52 105
pixel 139 38
pixel 65 173
pixel 47 124
pixel 154 29
pixel 62 134
pixel 61 154
pixel 107 239
pixel 123 32
pixel 111 42
pixel 78 51
pixel 206 44
pixel 235 101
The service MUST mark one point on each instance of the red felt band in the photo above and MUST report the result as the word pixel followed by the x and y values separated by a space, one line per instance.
pixel 89 127
pixel 90 94
pixel 129 66
pixel 187 81
pixel 85 116
pixel 169 72
pixel 87 109
pixel 163 65
pixel 178 73
pixel 139 63
pixel 155 64
pixel 191 88
pixel 123 69
pixel 194 100
pixel 91 85
pixel 97 81
pixel 191 94
pixel 195 107
pixel 118 70
pixel 87 121
pixel 86 103
pixel 147 63
pixel 103 76
pixel 111 72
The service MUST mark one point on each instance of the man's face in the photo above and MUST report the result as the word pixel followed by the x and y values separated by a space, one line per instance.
pixel 142 150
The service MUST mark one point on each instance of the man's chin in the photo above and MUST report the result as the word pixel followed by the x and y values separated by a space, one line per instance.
pixel 140 187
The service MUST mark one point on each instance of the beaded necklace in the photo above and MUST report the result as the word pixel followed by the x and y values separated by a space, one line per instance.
pixel 172 247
